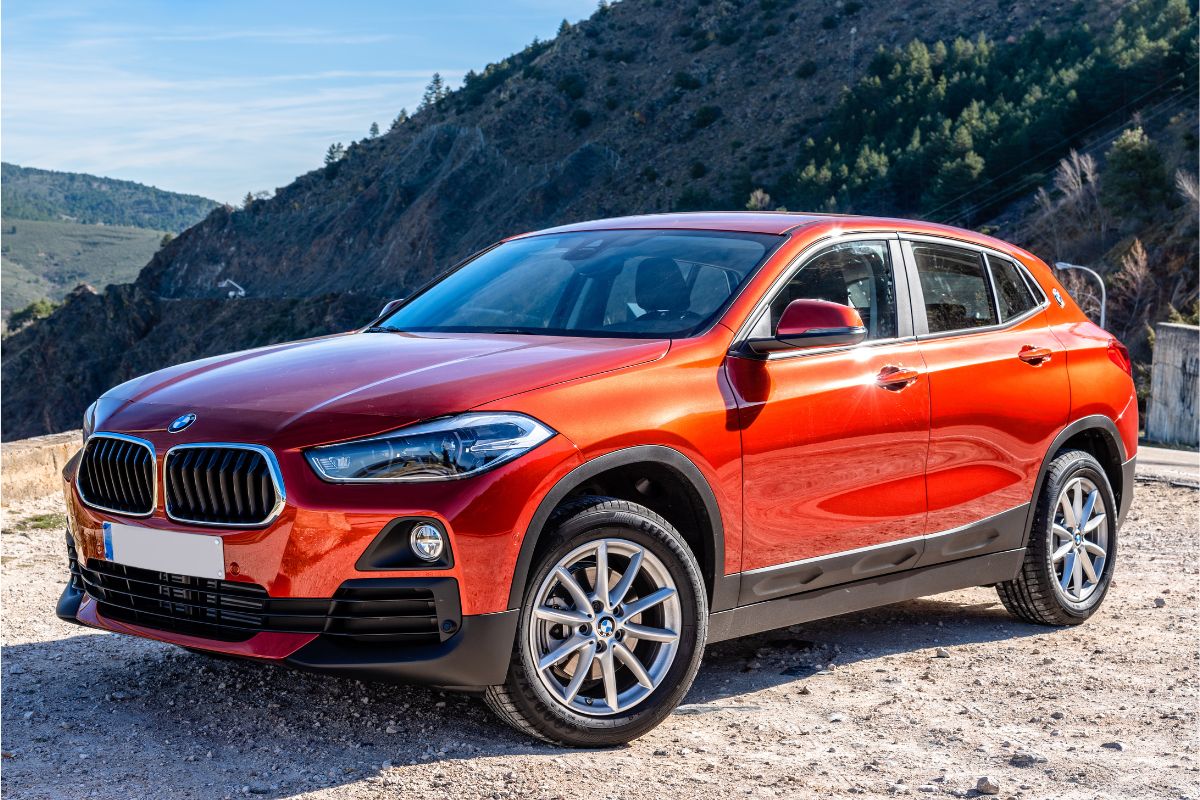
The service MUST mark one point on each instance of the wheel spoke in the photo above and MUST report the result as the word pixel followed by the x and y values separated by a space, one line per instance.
pixel 582 670
pixel 558 654
pixel 1078 505
pixel 1088 568
pixel 1094 549
pixel 1088 507
pixel 1062 533
pixel 1068 570
pixel 1077 576
pixel 1068 511
pixel 622 588
pixel 650 634
pixel 601 582
pixel 1061 552
pixel 608 671
pixel 647 602
pixel 568 582
pixel 561 615
pixel 1094 523
pixel 635 666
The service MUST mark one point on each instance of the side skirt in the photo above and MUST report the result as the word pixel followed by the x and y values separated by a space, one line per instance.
pixel 861 595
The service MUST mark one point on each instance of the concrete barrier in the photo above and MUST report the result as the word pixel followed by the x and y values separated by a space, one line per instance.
pixel 1171 410
pixel 32 468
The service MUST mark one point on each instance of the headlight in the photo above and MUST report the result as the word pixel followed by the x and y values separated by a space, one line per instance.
pixel 89 421
pixel 452 447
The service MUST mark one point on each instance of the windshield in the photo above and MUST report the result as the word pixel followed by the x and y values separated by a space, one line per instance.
pixel 632 284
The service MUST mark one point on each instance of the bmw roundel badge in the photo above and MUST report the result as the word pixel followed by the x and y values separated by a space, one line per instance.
pixel 179 423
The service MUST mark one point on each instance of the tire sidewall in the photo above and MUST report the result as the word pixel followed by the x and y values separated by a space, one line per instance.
pixel 665 544
pixel 1082 466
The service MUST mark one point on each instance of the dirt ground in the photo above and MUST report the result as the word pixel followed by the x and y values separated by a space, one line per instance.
pixel 921 698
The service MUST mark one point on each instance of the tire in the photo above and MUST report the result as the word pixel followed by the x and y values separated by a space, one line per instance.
pixel 1054 586
pixel 540 703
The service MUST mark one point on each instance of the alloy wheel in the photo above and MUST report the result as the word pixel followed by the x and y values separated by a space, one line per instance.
pixel 605 627
pixel 1079 541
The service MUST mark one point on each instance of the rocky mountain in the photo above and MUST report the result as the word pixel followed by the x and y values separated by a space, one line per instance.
pixel 646 106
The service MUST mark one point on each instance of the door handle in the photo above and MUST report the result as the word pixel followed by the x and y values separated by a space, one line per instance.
pixel 895 377
pixel 1034 355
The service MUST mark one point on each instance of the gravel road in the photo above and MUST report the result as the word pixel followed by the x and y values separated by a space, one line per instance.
pixel 922 698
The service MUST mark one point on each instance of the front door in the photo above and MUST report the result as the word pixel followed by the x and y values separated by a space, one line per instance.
pixel 834 441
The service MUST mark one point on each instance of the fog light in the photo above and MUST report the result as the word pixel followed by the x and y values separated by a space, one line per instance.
pixel 427 542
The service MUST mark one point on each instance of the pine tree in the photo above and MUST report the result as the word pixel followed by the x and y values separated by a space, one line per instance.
pixel 334 154
pixel 400 119
pixel 248 200
pixel 434 92
pixel 564 28
pixel 374 129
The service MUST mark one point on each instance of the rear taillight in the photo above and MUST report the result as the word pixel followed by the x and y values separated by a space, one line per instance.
pixel 1119 355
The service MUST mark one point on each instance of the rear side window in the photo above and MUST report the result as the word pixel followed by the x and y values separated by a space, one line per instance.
pixel 955 287
pixel 1011 289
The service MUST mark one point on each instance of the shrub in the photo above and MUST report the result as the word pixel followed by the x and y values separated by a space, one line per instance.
pixel 573 86
pixel 829 22
pixel 581 118
pixel 697 170
pixel 686 81
pixel 705 116
pixel 806 69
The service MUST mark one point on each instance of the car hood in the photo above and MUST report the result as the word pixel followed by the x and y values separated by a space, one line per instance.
pixel 350 385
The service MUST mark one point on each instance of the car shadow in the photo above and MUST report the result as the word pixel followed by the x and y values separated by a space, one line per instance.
pixel 183 724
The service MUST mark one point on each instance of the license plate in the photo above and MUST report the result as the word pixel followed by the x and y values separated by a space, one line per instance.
pixel 191 554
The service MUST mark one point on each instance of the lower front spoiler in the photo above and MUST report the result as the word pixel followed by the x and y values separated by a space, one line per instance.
pixel 476 656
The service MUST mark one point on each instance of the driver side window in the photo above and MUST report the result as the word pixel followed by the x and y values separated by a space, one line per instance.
pixel 857 274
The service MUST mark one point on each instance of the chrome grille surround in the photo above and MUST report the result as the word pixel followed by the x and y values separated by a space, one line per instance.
pixel 172 474
pixel 104 478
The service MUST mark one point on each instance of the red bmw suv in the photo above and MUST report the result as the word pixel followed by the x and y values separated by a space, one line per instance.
pixel 558 471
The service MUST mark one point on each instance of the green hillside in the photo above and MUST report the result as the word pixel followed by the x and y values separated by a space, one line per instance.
pixel 45 260
pixel 40 194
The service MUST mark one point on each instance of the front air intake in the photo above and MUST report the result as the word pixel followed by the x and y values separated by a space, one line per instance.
pixel 226 485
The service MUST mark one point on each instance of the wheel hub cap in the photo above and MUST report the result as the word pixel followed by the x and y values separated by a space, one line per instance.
pixel 606 627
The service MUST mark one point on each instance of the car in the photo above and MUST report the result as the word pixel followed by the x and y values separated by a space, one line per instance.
pixel 558 471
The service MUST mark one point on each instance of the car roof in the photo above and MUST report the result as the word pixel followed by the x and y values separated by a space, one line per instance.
pixel 770 222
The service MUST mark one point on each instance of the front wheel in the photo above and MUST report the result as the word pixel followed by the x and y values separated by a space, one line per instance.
pixel 1072 546
pixel 611 630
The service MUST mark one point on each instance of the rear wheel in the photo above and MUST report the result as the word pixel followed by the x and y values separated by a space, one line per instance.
pixel 1072 547
pixel 611 631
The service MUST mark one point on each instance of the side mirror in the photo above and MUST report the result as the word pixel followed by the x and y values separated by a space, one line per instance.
pixel 388 308
pixel 814 323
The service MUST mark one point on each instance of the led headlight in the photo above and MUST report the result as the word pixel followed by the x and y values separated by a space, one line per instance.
pixel 442 449
pixel 89 421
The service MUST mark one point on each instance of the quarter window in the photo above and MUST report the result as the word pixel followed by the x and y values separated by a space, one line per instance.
pixel 1011 289
pixel 857 274
pixel 955 287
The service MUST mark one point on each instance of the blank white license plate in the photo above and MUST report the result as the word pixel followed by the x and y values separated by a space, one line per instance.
pixel 165 551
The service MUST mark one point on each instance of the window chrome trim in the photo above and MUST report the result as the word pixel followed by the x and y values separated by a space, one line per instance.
pixel 272 469
pixel 739 347
pixel 153 474
pixel 922 333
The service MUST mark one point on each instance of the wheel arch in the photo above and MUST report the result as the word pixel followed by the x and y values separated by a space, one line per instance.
pixel 1097 435
pixel 680 490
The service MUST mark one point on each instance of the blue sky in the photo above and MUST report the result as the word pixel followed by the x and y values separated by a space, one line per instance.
pixel 219 98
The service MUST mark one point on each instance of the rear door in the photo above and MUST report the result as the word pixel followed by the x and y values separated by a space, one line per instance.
pixel 998 392
pixel 833 447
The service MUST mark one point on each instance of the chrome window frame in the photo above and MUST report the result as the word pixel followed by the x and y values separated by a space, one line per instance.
pixel 272 469
pixel 153 475
pixel 917 297
pixel 905 320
